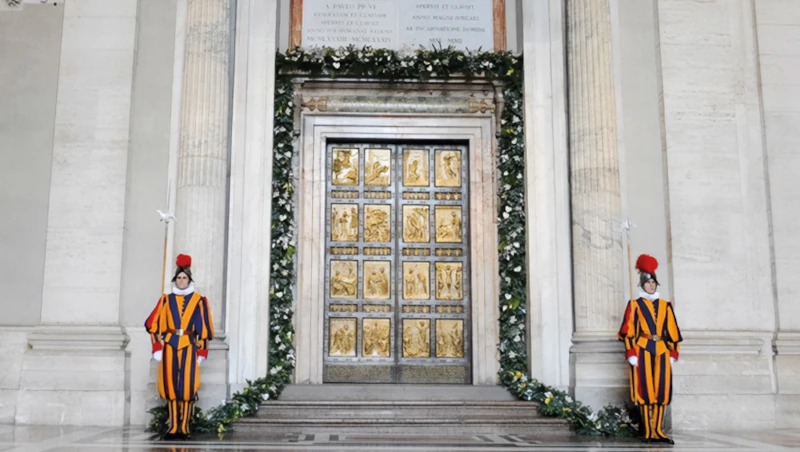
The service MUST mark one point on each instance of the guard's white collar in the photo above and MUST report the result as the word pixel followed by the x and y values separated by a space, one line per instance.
pixel 189 289
pixel 648 296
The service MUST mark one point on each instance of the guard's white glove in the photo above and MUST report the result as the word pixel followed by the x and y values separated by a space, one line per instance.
pixel 200 359
pixel 634 360
pixel 671 360
pixel 158 355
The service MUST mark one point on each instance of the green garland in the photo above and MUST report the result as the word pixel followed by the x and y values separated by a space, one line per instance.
pixel 441 63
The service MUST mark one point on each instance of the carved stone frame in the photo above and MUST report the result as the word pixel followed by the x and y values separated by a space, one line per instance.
pixel 357 110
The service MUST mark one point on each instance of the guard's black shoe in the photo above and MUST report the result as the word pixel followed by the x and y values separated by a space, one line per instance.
pixel 172 437
pixel 666 440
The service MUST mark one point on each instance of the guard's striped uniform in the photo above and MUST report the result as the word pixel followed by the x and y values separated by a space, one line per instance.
pixel 650 332
pixel 184 326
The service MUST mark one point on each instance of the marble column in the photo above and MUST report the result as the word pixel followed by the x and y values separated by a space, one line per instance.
pixel 249 239
pixel 547 192
pixel 202 167
pixel 597 251
pixel 203 147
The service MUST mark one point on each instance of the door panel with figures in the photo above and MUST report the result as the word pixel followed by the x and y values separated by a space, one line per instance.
pixel 397 304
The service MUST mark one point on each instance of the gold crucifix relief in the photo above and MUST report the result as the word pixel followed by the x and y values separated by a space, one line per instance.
pixel 448 281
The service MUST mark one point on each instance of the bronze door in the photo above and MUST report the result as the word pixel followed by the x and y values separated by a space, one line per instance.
pixel 397 299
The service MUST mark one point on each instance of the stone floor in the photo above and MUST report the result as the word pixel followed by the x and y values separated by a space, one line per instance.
pixel 74 439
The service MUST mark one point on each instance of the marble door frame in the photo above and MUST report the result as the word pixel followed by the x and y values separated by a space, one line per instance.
pixel 315 130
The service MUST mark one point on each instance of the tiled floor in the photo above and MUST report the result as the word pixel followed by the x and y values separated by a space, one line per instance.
pixel 74 439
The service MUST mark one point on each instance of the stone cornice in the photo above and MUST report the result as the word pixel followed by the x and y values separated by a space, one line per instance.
pixel 77 337
pixel 698 342
pixel 787 343
pixel 456 96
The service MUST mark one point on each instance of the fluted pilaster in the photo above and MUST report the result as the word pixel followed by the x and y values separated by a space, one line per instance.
pixel 594 169
pixel 203 148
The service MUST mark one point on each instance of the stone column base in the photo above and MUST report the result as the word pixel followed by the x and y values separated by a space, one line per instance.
pixel 787 370
pixel 598 371
pixel 73 375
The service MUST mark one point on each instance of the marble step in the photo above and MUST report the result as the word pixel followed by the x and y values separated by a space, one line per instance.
pixel 386 392
pixel 429 417
pixel 397 409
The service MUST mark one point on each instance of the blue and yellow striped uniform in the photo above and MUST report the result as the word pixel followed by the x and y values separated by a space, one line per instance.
pixel 184 326
pixel 650 332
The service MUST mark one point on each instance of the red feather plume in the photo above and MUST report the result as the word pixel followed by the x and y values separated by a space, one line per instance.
pixel 647 264
pixel 183 260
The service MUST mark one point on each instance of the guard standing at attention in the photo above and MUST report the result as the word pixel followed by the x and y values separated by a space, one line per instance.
pixel 652 337
pixel 180 328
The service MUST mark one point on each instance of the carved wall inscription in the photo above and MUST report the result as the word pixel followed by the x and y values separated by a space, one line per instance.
pixel 394 24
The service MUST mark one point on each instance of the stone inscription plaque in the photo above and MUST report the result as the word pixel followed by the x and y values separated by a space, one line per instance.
pixel 395 24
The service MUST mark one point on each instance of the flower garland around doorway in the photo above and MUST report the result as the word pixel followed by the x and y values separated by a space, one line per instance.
pixel 436 63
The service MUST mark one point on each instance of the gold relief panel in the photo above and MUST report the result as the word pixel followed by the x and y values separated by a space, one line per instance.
pixel 450 309
pixel 416 195
pixel 377 285
pixel 416 338
pixel 448 196
pixel 378 195
pixel 376 334
pixel 342 340
pixel 416 309
pixel 448 168
pixel 377 308
pixel 376 223
pixel 345 167
pixel 449 338
pixel 344 277
pixel 343 308
pixel 448 252
pixel 344 194
pixel 344 250
pixel 416 252
pixel 377 251
pixel 415 224
pixel 448 224
pixel 416 280
pixel 377 167
pixel 448 280
pixel 415 168
pixel 344 222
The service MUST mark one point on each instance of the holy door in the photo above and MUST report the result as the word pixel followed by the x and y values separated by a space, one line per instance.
pixel 397 298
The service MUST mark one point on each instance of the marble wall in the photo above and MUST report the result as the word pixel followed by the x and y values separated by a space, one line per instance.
pixel 778 27
pixel 30 40
pixel 719 212
pixel 151 108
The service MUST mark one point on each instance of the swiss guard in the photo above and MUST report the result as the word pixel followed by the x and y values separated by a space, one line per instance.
pixel 180 328
pixel 651 336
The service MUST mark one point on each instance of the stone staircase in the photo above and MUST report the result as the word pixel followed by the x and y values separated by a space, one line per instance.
pixel 400 409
